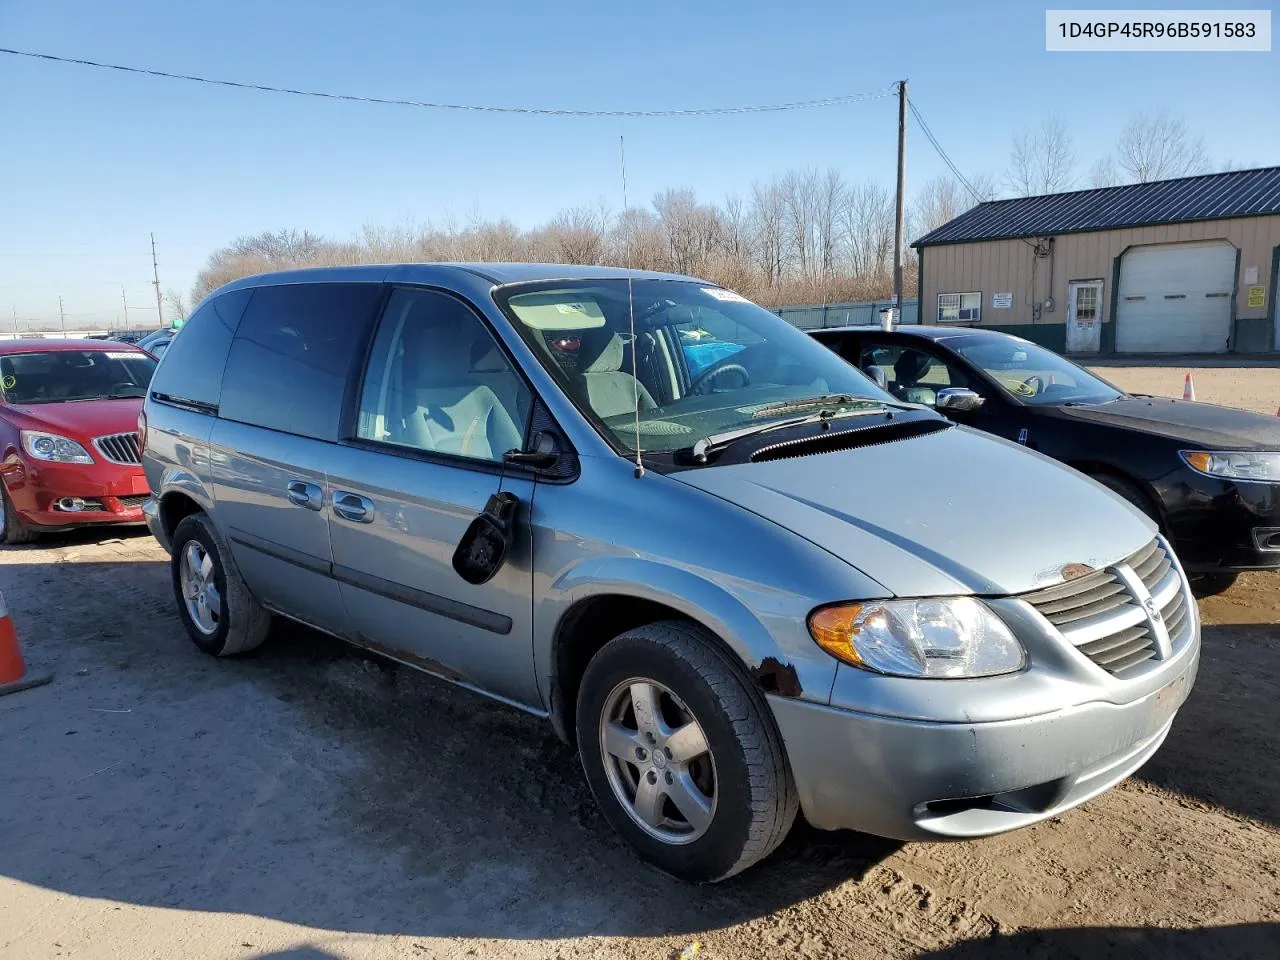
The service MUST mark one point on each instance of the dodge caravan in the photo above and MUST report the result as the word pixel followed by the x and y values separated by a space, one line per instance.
pixel 740 577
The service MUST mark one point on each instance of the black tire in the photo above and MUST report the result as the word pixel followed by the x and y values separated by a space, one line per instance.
pixel 1211 584
pixel 1130 491
pixel 243 623
pixel 755 795
pixel 14 531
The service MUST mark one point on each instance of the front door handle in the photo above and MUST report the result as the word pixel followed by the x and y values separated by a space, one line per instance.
pixel 353 507
pixel 305 494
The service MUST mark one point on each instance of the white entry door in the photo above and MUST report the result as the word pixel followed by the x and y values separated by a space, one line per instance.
pixel 1084 316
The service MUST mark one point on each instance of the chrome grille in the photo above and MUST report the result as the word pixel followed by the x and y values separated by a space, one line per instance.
pixel 133 501
pixel 1110 615
pixel 119 448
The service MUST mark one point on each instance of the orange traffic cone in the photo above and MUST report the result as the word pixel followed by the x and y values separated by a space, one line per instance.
pixel 13 672
pixel 1188 388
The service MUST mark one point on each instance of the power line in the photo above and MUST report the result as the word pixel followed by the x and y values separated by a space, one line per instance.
pixel 924 127
pixel 480 108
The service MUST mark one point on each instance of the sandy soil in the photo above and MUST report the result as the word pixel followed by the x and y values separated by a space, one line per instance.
pixel 1251 388
pixel 306 802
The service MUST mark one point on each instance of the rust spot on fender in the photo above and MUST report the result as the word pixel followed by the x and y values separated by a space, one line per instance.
pixel 777 677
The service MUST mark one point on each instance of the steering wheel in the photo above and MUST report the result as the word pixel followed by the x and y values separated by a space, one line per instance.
pixel 1031 386
pixel 717 370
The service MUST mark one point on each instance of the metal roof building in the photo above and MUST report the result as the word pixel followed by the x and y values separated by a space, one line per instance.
pixel 1175 266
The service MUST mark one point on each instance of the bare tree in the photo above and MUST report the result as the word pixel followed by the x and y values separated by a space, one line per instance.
pixel 578 235
pixel 279 246
pixel 1042 160
pixel 176 303
pixel 867 225
pixel 692 230
pixel 1158 147
pixel 769 212
pixel 939 200
pixel 1105 173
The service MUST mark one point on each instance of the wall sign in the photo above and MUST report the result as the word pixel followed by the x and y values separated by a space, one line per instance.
pixel 1258 296
pixel 1250 275
pixel 1001 301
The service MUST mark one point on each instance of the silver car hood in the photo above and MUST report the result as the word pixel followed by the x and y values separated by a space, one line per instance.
pixel 950 512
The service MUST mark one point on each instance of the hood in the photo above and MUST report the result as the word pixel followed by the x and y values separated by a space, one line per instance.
pixel 81 420
pixel 951 512
pixel 1198 424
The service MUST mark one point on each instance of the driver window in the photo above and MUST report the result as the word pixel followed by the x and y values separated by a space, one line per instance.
pixel 912 375
pixel 438 382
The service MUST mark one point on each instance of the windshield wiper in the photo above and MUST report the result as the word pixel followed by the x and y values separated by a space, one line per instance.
pixel 824 400
pixel 715 441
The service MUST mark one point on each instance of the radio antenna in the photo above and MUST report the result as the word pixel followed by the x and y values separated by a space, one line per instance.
pixel 631 305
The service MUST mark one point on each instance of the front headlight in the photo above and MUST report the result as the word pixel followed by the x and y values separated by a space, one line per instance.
pixel 53 448
pixel 947 637
pixel 1232 465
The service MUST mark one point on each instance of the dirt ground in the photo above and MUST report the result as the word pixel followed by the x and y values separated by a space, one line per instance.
pixel 1255 388
pixel 307 802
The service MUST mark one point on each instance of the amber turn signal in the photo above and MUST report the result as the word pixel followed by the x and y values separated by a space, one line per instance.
pixel 833 629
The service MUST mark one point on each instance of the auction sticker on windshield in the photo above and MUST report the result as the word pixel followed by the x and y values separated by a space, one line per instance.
pixel 726 295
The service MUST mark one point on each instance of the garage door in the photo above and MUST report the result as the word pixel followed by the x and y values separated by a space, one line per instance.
pixel 1176 298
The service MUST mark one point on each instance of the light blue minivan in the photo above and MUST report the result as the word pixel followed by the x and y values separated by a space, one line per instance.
pixel 738 575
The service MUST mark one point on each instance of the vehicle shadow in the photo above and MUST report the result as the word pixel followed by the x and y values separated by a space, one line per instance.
pixel 313 784
pixel 1246 941
pixel 1222 749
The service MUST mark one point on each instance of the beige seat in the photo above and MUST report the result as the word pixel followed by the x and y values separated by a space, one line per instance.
pixel 607 388
pixel 444 406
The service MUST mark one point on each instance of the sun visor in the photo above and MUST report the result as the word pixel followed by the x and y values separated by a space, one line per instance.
pixel 550 310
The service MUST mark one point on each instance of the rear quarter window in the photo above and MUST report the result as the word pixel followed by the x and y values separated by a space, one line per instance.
pixel 193 362
pixel 293 356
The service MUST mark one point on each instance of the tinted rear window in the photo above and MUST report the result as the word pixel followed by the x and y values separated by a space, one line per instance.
pixel 193 362
pixel 290 361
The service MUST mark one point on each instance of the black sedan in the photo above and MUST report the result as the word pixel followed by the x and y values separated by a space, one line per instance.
pixel 1209 475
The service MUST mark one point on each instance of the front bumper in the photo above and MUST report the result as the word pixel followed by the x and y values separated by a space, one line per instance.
pixel 916 780
pixel 117 491
pixel 1223 525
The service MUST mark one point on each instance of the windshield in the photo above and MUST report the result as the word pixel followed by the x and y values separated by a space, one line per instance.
pixel 1033 374
pixel 706 360
pixel 62 376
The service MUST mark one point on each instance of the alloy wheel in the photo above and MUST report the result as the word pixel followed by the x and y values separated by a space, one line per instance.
pixel 658 761
pixel 199 590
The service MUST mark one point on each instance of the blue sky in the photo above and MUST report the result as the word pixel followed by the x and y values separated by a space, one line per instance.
pixel 92 161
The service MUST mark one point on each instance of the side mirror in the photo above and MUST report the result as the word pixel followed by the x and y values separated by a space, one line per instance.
pixel 483 547
pixel 543 451
pixel 957 400
pixel 876 375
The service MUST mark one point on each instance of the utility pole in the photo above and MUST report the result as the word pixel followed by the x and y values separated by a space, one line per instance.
pixel 62 316
pixel 902 180
pixel 156 271
pixel 125 301
pixel 14 308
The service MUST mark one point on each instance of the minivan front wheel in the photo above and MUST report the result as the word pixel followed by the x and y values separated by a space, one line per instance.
pixel 220 614
pixel 681 753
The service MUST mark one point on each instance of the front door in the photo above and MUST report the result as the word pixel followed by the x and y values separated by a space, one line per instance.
pixel 439 406
pixel 1084 316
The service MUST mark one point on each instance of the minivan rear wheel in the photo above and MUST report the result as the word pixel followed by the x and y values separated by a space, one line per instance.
pixel 220 614
pixel 681 752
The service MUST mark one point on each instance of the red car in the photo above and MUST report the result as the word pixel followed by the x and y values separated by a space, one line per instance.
pixel 68 435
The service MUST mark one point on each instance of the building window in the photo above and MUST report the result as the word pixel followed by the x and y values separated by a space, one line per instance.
pixel 959 307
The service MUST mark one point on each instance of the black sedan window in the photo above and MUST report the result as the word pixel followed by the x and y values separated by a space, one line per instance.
pixel 1033 374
